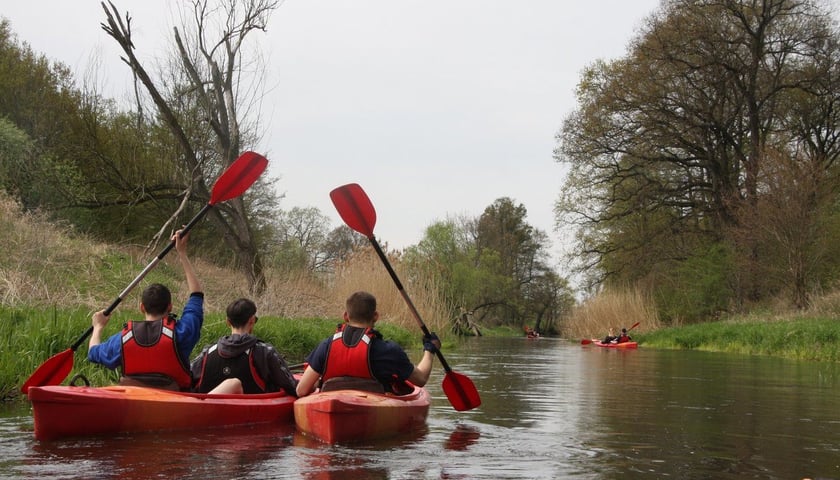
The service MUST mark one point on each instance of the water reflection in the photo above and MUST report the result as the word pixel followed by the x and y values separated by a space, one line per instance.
pixel 462 437
pixel 222 453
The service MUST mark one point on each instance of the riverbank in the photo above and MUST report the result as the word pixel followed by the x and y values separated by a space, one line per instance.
pixel 806 338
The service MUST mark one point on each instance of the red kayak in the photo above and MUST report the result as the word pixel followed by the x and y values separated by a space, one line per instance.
pixel 68 411
pixel 616 345
pixel 356 415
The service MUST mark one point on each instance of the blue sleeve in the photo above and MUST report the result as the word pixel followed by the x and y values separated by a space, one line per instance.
pixel 390 359
pixel 107 353
pixel 188 328
pixel 318 357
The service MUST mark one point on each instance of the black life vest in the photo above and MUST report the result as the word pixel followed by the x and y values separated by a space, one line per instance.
pixel 215 369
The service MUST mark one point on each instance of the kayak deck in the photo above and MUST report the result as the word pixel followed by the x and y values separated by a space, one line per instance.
pixel 356 415
pixel 69 411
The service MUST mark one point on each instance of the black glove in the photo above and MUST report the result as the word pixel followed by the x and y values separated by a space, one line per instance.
pixel 431 342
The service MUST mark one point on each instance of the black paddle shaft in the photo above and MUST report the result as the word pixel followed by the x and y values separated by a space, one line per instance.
pixel 406 298
pixel 142 274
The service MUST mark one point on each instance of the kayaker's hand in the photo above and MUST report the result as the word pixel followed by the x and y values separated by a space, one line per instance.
pixel 431 342
pixel 100 320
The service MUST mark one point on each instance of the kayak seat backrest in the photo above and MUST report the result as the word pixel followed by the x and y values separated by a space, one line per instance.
pixel 353 383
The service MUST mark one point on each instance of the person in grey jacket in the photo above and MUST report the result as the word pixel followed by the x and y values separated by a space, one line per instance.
pixel 241 362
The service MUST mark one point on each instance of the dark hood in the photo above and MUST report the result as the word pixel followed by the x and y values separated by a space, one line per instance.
pixel 235 344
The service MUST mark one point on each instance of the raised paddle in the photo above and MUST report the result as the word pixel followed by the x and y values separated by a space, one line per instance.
pixel 358 213
pixel 233 182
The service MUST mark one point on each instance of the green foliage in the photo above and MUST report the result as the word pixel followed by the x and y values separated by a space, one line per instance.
pixel 696 288
pixel 494 267
pixel 694 137
pixel 803 339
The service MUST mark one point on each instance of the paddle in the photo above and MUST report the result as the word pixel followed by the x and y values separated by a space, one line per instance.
pixel 358 213
pixel 238 177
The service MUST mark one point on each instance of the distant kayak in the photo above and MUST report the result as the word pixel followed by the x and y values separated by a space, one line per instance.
pixel 616 345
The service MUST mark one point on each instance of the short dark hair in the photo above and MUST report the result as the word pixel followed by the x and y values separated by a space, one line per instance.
pixel 361 306
pixel 240 311
pixel 156 299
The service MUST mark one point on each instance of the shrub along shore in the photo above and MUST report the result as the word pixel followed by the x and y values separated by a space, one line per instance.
pixel 810 338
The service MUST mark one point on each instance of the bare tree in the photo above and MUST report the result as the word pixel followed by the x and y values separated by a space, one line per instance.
pixel 213 68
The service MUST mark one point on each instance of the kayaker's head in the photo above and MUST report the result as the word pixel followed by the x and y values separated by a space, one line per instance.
pixel 624 331
pixel 156 301
pixel 360 307
pixel 240 312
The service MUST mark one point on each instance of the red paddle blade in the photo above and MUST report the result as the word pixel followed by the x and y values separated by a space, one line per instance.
pixel 460 391
pixel 51 372
pixel 585 341
pixel 238 177
pixel 355 208
pixel 634 326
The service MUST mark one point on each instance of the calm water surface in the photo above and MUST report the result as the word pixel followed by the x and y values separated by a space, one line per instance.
pixel 551 410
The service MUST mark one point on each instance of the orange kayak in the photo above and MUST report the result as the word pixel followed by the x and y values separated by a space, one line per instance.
pixel 356 415
pixel 69 411
pixel 617 345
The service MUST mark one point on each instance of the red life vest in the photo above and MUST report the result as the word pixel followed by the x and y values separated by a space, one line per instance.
pixel 349 353
pixel 150 348
pixel 215 369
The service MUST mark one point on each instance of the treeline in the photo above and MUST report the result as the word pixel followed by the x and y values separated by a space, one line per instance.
pixel 494 269
pixel 703 163
pixel 118 173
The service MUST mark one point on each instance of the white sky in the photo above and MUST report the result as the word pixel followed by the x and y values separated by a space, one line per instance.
pixel 435 107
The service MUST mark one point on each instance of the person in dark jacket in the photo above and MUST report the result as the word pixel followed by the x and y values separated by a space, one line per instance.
pixel 357 353
pixel 241 362
pixel 624 337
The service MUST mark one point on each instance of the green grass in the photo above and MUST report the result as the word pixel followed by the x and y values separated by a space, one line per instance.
pixel 29 336
pixel 815 339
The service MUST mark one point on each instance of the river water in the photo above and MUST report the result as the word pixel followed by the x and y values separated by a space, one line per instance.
pixel 550 410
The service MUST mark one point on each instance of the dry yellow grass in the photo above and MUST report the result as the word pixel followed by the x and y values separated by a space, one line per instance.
pixel 612 308
pixel 42 264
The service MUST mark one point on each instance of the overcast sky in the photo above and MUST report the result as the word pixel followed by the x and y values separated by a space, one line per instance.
pixel 436 107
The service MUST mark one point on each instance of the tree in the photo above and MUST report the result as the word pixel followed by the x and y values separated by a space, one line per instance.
pixel 667 145
pixel 206 105
pixel 39 110
pixel 494 267
pixel 302 235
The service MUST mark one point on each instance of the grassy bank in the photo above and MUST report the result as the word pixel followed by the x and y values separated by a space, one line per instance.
pixel 31 336
pixel 799 338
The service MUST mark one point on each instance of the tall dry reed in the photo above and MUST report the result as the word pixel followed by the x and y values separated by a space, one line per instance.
pixel 42 264
pixel 365 271
pixel 38 259
pixel 612 308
